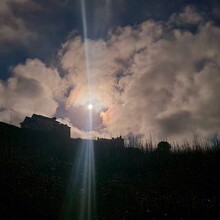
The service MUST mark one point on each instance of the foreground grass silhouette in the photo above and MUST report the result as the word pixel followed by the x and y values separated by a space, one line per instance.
pixel 130 183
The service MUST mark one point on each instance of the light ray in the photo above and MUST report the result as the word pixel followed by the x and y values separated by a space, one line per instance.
pixel 85 38
pixel 81 192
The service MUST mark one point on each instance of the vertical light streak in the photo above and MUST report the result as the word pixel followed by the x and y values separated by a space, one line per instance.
pixel 85 38
pixel 81 201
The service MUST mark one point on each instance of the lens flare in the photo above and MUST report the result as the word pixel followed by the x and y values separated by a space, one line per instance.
pixel 81 190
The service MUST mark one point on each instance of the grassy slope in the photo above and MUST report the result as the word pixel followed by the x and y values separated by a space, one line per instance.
pixel 131 184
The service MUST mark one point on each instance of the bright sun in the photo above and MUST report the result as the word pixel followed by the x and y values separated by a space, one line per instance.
pixel 90 106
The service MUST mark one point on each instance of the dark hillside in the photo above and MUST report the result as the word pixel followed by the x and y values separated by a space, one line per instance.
pixel 130 183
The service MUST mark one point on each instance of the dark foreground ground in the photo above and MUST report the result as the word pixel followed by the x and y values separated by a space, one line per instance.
pixel 130 183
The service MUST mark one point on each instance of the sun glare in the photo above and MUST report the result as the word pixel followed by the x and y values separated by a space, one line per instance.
pixel 90 106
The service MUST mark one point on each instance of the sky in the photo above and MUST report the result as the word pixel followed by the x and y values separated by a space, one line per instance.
pixel 148 67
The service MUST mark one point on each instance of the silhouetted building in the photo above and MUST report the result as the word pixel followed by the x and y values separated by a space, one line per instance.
pixel 45 124
pixel 116 142
pixel 39 130
pixel 9 134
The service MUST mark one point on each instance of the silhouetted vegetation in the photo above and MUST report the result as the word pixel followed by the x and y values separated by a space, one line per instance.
pixel 163 147
pixel 131 183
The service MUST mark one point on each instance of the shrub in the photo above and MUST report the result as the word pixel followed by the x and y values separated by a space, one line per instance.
pixel 163 146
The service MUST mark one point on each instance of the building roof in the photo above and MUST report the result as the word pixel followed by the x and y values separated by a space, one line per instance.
pixel 25 120
pixel 41 117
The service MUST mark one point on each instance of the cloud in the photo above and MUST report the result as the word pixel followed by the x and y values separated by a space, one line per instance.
pixel 32 88
pixel 104 10
pixel 79 133
pixel 150 79
pixel 175 123
pixel 189 16
pixel 13 27
pixel 147 77
pixel 47 76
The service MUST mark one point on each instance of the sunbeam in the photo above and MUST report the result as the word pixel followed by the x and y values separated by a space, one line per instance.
pixel 80 200
pixel 85 37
